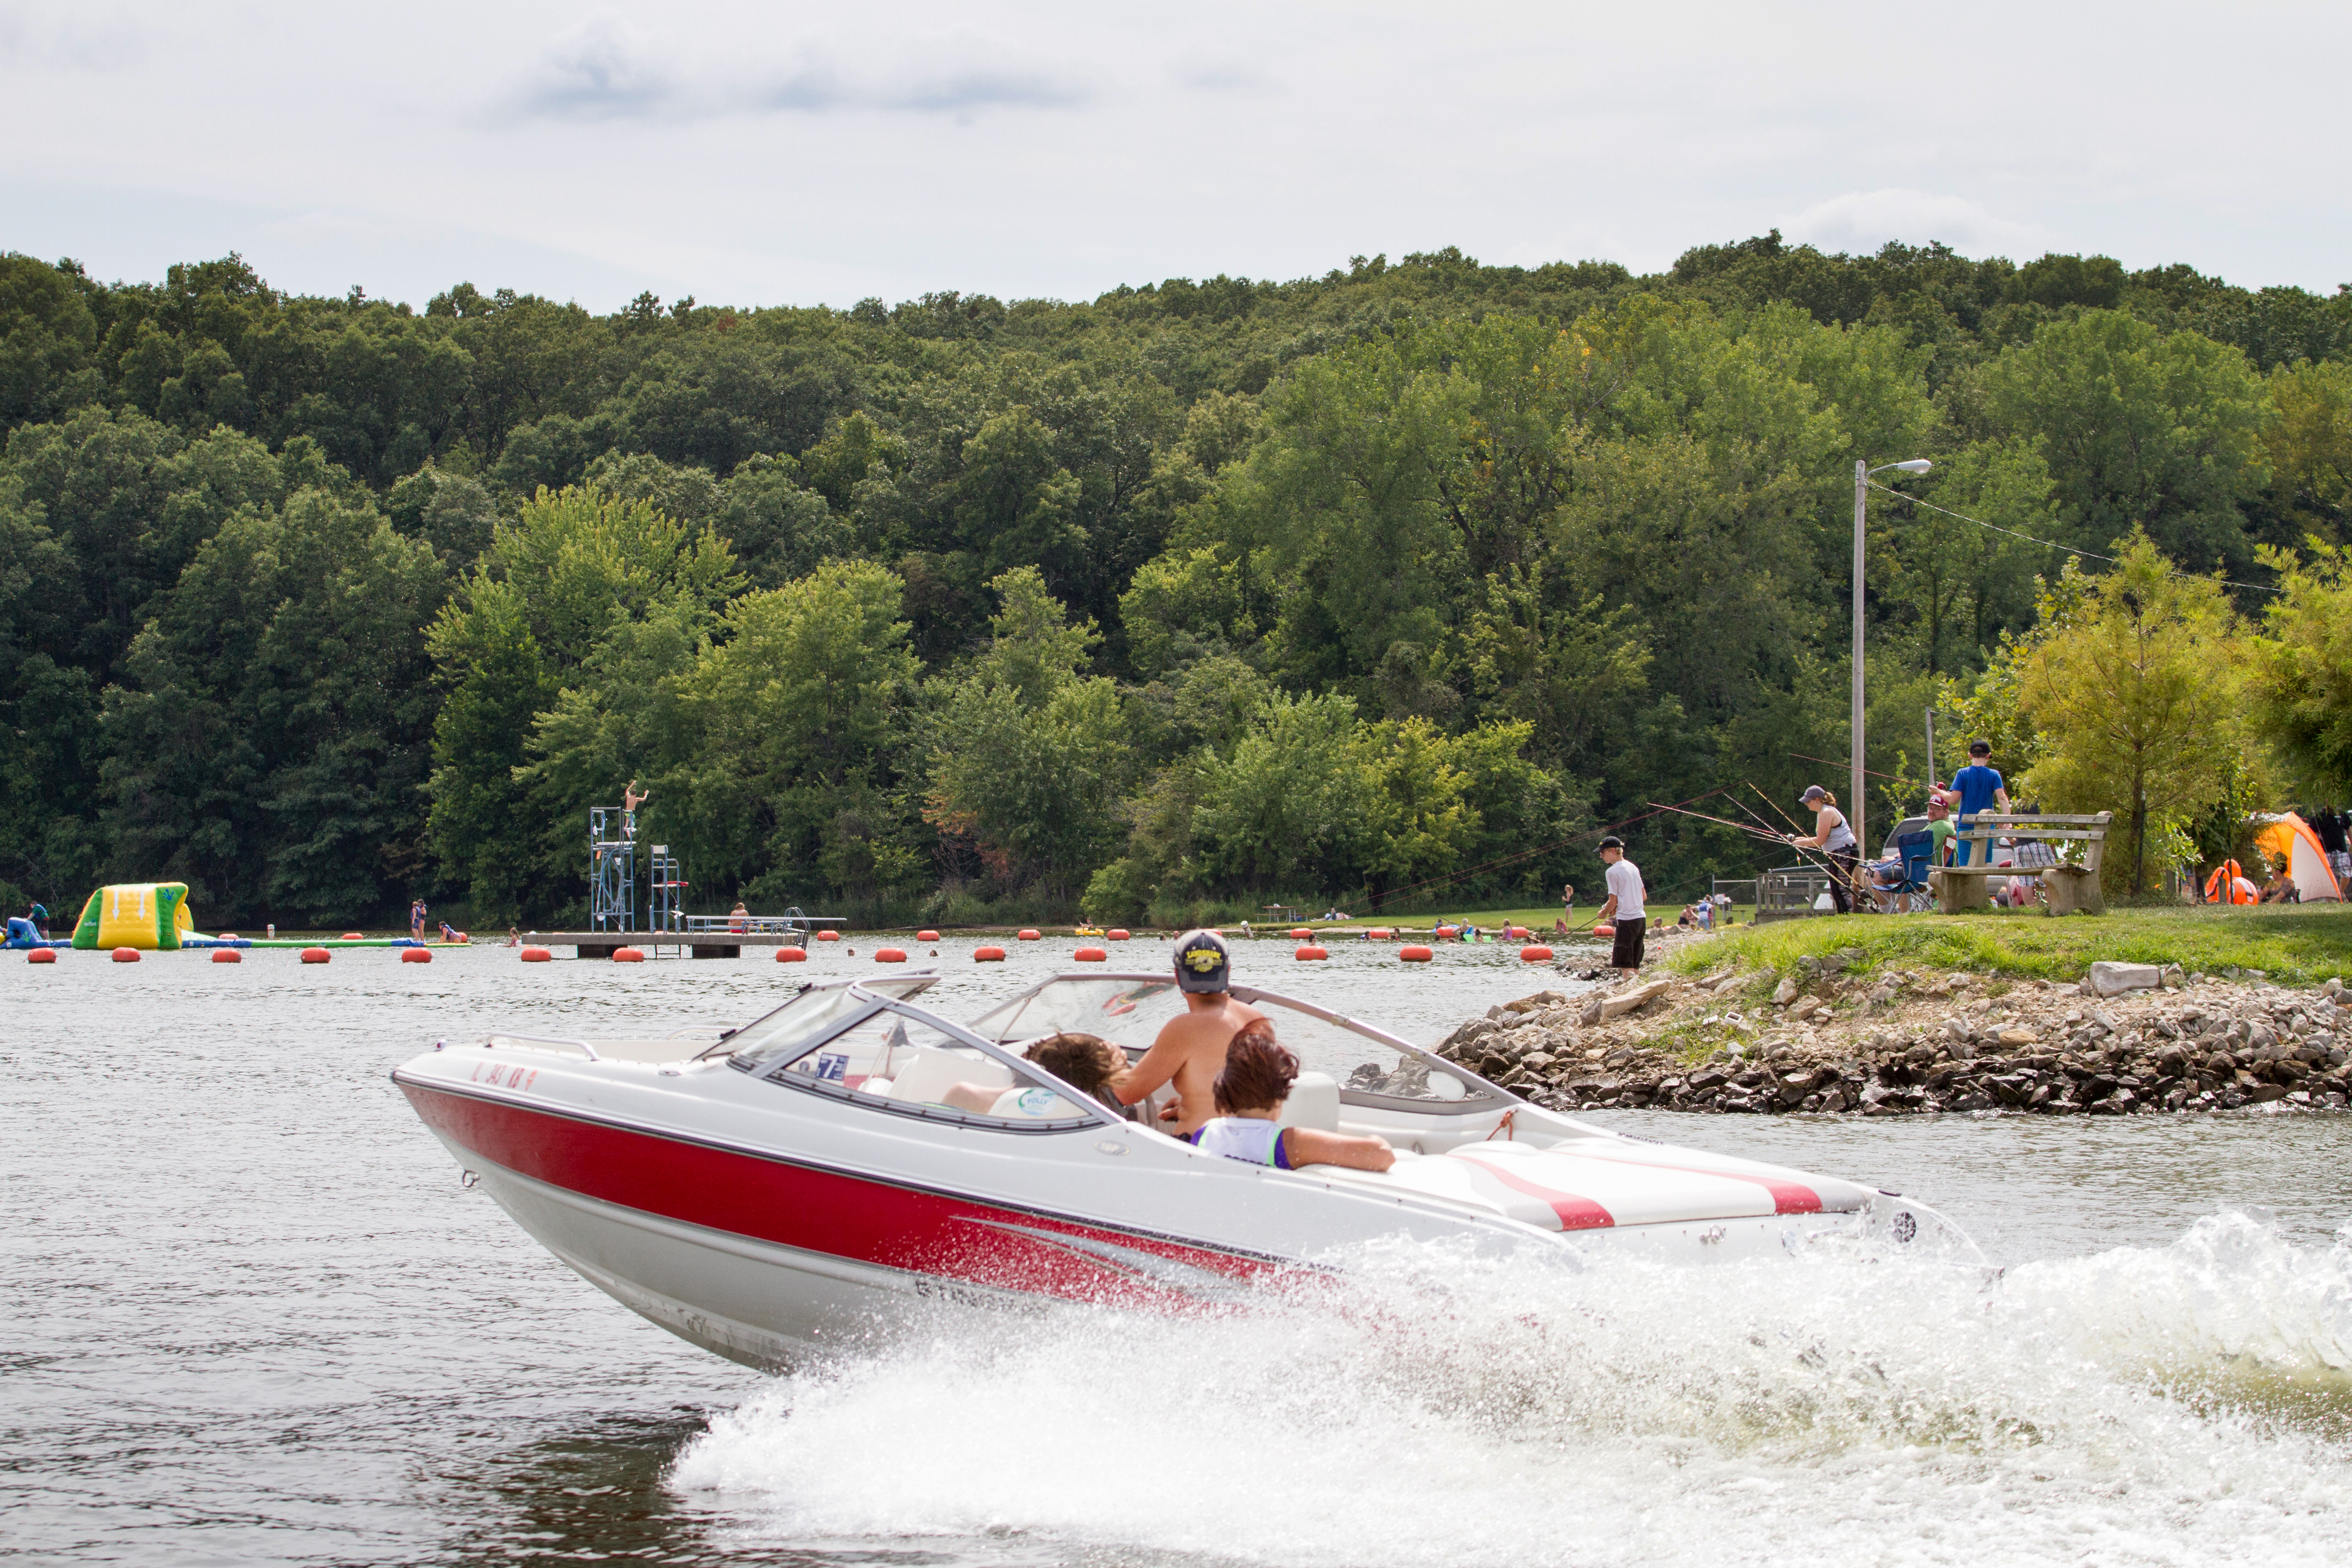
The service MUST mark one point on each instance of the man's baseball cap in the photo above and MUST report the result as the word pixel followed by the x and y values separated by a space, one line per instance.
pixel 1202 962
pixel 1612 842
pixel 1980 748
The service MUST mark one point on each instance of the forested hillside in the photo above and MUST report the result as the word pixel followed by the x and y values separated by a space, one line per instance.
pixel 1186 598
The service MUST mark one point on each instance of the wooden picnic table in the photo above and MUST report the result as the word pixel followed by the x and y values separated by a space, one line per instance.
pixel 2071 889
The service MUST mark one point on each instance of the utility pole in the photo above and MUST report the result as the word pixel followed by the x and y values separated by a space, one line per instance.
pixel 1862 472
pixel 1854 771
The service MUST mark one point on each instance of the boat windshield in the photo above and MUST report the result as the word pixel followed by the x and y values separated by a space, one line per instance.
pixel 808 1017
pixel 1128 1010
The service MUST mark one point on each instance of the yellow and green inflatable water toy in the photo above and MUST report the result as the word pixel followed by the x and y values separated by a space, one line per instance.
pixel 148 915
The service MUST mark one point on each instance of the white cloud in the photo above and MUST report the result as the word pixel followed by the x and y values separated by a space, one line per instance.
pixel 1862 221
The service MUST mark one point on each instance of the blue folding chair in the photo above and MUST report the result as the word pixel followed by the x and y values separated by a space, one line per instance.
pixel 1913 893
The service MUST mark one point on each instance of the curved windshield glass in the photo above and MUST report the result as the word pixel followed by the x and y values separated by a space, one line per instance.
pixel 903 1062
pixel 815 1013
pixel 1128 1011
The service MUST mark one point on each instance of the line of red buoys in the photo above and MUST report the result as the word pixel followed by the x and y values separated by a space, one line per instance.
pixel 1310 952
pixel 1535 954
pixel 537 955
pixel 316 955
pixel 792 955
pixel 1091 955
pixel 1415 954
pixel 628 955
pixel 889 955
pixel 988 955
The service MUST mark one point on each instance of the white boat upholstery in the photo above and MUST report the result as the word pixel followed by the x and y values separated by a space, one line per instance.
pixel 928 1075
pixel 1314 1102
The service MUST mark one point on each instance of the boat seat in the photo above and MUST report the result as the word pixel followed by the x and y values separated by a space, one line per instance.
pixel 927 1078
pixel 1314 1103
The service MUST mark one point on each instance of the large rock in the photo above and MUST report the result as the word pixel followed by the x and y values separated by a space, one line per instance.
pixel 1640 997
pixel 2114 979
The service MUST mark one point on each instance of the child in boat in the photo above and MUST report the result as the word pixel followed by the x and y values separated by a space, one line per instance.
pixel 1250 1093
pixel 1085 1062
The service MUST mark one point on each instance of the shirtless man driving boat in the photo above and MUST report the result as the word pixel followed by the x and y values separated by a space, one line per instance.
pixel 1191 1049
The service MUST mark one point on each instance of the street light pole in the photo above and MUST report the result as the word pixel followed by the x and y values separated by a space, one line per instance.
pixel 1853 771
pixel 1862 472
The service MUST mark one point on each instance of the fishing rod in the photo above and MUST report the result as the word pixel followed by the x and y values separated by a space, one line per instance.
pixel 1727 821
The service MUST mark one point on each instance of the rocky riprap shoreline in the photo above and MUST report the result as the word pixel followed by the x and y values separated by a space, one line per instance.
pixel 2128 1039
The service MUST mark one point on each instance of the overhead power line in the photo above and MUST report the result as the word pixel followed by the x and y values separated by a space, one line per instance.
pixel 2069 549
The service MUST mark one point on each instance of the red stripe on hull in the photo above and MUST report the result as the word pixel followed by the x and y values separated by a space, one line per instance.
pixel 827 1211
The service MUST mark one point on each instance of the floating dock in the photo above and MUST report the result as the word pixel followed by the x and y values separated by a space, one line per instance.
pixel 692 943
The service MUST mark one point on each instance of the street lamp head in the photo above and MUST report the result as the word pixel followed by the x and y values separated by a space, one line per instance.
pixel 1916 465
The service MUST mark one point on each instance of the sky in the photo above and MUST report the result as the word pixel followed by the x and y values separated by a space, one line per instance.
pixel 792 153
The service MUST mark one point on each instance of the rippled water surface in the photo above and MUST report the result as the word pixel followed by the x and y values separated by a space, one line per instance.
pixel 247 1315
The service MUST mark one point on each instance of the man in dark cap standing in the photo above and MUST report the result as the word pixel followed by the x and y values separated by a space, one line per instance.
pixel 1624 909
pixel 1191 1049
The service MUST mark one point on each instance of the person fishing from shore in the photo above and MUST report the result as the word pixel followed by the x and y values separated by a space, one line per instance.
pixel 1250 1092
pixel 1833 836
pixel 1624 911
pixel 1189 1051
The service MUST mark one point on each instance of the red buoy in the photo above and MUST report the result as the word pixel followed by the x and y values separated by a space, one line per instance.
pixel 927 936
pixel 42 955
pixel 1300 933
pixel 1604 928
pixel 537 955
pixel 1415 954
pixel 1379 933
pixel 792 955
pixel 1029 935
pixel 1091 955
pixel 828 936
pixel 355 936
pixel 628 955
pixel 415 955
pixel 1535 954
pixel 1516 934
pixel 1114 934
pixel 988 955
pixel 126 955
pixel 1310 952
pixel 227 955
pixel 889 955
pixel 316 955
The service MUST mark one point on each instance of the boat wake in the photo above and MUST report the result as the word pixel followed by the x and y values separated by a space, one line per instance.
pixel 2184 1404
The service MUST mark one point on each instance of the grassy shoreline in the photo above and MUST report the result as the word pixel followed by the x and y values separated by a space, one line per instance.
pixel 2291 944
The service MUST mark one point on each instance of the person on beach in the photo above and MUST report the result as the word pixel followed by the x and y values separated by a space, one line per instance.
pixel 1833 836
pixel 1250 1092
pixel 1622 909
pixel 1567 905
pixel 1975 788
pixel 2334 834
pixel 1189 1051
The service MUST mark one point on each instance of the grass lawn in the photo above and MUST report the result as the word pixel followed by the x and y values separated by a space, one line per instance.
pixel 2291 944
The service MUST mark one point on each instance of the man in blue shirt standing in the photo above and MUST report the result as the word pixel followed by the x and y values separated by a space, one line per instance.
pixel 1975 788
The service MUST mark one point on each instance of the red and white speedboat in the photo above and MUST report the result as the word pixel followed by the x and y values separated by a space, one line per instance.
pixel 786 1185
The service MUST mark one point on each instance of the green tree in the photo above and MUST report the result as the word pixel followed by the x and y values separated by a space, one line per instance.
pixel 2133 692
pixel 2300 679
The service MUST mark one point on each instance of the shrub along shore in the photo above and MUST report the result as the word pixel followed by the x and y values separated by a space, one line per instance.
pixel 1964 1013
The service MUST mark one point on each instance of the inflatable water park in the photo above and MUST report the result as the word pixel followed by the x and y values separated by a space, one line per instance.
pixel 154 917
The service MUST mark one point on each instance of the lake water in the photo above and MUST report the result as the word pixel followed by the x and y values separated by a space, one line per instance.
pixel 248 1316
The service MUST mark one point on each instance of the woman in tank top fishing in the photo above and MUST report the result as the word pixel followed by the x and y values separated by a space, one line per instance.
pixel 1249 1094
pixel 1833 837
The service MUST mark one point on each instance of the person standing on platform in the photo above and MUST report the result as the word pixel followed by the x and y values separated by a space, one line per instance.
pixel 1976 788
pixel 417 913
pixel 1623 908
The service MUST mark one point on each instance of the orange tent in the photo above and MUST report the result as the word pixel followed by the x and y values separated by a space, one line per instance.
pixel 2288 840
